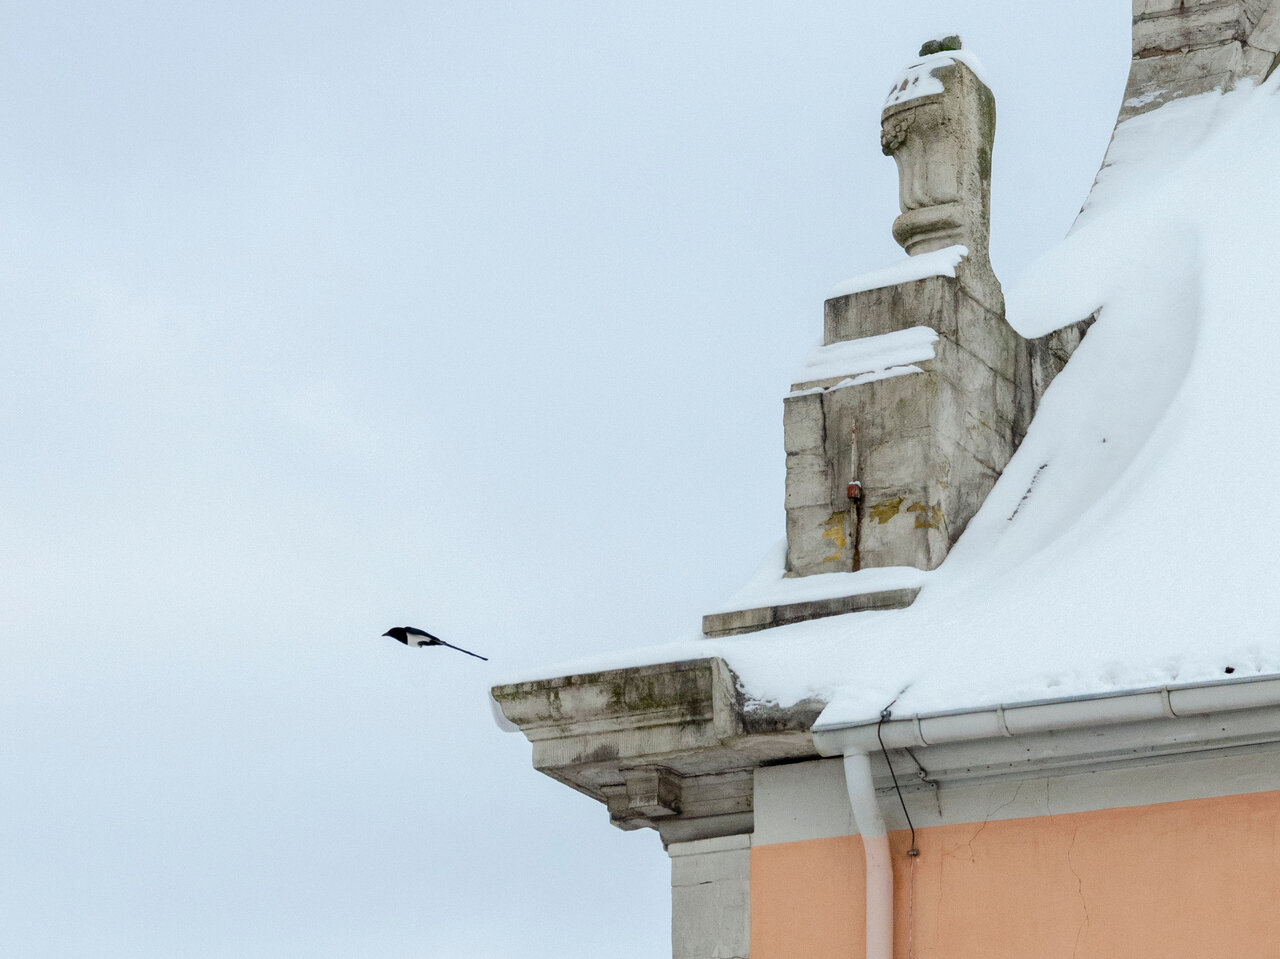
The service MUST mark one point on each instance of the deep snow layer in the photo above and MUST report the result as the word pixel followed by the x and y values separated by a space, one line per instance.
pixel 1130 542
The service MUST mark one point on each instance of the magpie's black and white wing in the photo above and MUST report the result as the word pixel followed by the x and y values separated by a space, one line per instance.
pixel 420 637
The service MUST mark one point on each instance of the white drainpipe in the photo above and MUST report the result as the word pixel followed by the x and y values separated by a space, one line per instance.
pixel 875 846
pixel 854 741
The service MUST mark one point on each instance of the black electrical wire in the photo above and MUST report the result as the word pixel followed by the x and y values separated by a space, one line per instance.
pixel 884 715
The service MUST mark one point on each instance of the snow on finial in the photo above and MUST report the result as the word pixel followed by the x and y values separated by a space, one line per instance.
pixel 940 45
pixel 918 79
pixel 938 123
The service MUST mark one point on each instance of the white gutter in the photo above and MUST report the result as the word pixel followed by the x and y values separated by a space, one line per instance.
pixel 1017 719
pixel 856 740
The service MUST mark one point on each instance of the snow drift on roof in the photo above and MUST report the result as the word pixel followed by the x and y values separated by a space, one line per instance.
pixel 1130 542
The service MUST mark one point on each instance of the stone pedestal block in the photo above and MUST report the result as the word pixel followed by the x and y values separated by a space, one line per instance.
pixel 921 445
pixel 886 464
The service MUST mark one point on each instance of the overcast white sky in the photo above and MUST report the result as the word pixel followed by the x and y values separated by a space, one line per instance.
pixel 323 318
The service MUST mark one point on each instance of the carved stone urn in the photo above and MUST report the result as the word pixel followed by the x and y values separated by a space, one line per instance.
pixel 938 124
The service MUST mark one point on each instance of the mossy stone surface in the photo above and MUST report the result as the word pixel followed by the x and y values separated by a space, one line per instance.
pixel 940 45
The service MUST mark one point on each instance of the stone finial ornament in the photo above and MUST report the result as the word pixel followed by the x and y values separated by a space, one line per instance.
pixel 899 425
pixel 938 123
pixel 933 432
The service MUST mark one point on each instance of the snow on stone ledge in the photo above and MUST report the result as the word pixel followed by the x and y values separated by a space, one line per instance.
pixel 918 80
pixel 874 375
pixel 872 357
pixel 770 586
pixel 938 263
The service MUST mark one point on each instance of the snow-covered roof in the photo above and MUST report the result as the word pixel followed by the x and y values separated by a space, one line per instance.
pixel 1129 543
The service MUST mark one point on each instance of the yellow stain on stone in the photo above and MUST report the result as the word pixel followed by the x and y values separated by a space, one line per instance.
pixel 835 532
pixel 886 510
pixel 927 517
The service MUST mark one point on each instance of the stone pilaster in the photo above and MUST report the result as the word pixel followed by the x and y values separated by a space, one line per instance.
pixel 1186 47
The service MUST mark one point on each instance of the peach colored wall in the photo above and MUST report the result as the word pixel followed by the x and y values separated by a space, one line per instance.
pixel 1183 880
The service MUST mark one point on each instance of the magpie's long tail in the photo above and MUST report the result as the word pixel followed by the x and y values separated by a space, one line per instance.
pixel 461 650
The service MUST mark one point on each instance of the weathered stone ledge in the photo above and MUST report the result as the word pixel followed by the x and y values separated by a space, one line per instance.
pixel 716 625
pixel 670 746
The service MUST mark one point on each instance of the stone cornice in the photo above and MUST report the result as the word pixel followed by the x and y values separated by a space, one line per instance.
pixel 669 746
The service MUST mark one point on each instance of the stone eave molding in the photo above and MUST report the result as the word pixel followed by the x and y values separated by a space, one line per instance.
pixel 670 746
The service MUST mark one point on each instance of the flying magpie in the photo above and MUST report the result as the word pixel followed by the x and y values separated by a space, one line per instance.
pixel 412 636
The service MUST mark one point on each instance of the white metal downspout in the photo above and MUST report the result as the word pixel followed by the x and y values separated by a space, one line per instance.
pixel 875 845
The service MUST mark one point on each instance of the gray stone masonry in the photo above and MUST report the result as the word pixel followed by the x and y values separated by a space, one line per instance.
pixel 734 623
pixel 1185 47
pixel 711 898
pixel 929 444
pixel 671 747
pixel 888 472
